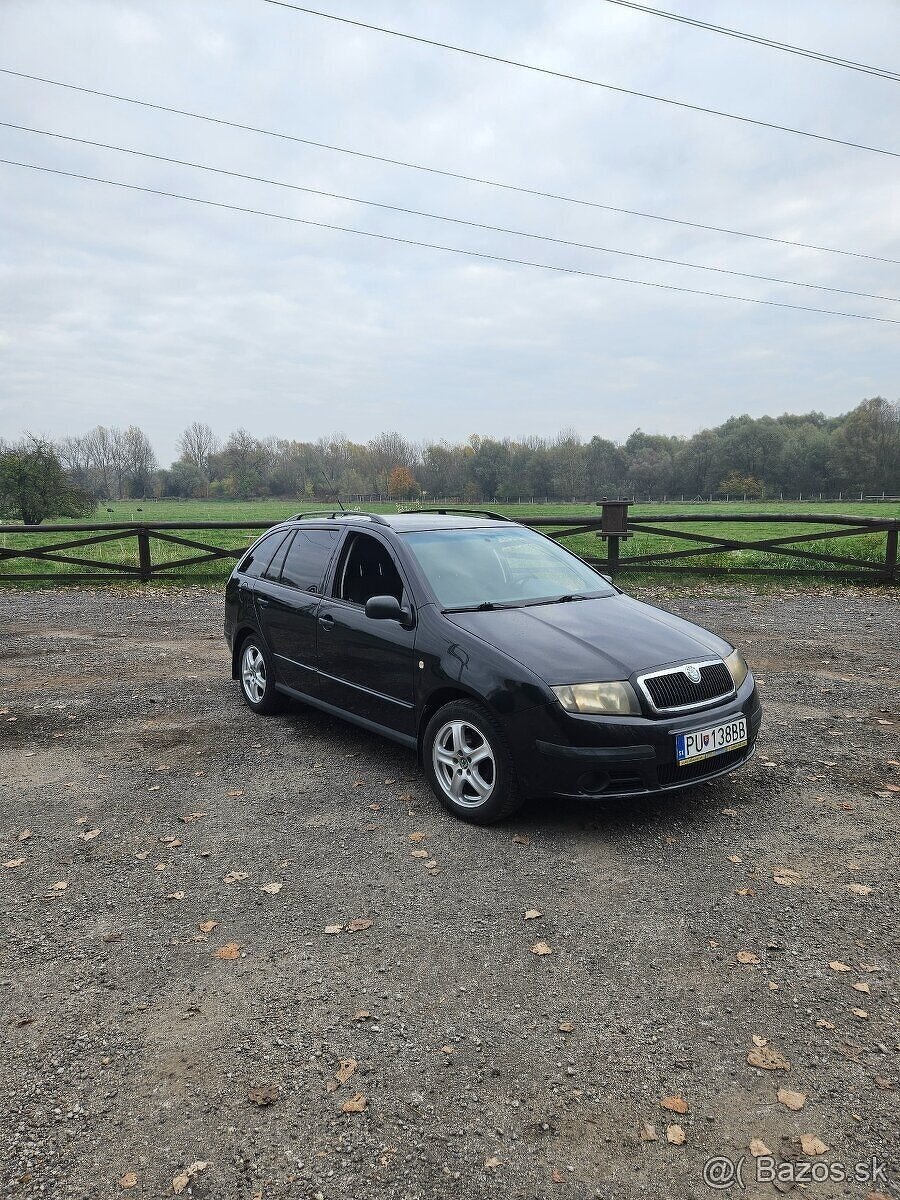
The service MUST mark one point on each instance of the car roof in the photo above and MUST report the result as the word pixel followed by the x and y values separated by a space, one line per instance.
pixel 400 522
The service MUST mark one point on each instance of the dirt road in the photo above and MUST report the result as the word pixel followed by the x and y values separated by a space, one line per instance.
pixel 172 995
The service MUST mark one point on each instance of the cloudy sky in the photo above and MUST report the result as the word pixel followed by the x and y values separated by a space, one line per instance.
pixel 118 306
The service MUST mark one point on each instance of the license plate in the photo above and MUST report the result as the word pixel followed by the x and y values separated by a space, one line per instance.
pixel 707 743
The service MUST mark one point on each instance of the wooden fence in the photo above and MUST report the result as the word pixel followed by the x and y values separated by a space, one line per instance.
pixel 612 526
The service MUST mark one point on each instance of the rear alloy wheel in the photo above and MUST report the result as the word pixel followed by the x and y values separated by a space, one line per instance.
pixel 257 676
pixel 469 765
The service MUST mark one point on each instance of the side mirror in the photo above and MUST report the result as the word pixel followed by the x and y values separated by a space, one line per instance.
pixel 386 608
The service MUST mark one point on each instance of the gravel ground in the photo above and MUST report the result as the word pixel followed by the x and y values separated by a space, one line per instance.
pixel 140 1039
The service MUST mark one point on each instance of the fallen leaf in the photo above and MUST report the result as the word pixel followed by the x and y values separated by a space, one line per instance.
pixel 333 928
pixel 235 792
pixel 142 855
pixel 128 1180
pixel 356 1104
pixel 180 1182
pixel 13 862
pixel 859 889
pixel 272 889
pixel 235 876
pixel 812 1145
pixel 773 986
pixel 88 835
pixel 346 1069
pixel 431 864
pixel 785 876
pixel 674 1104
pixel 557 1176
pixel 760 1041
pixel 675 1135
pixel 263 1094
pixel 861 1013
pixel 448 1049
pixel 648 1132
pixel 747 957
pixel 792 1100
pixel 207 926
pixel 230 951
pixel 192 816
pixel 418 836
pixel 565 1027
pixel 541 948
pixel 861 987
pixel 734 858
pixel 767 1059
pixel 521 840
pixel 362 1015
pixel 823 1024
pixel 155 787
pixel 758 1148
pixel 359 924
pixel 175 896
pixel 730 812
pixel 61 886
pixel 744 891
pixel 490 1164
pixel 24 835
pixel 531 914
pixel 418 853
pixel 839 966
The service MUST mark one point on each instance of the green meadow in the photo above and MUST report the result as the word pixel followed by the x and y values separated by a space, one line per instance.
pixel 870 547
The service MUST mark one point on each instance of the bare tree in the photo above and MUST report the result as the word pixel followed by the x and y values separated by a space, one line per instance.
pixel 197 445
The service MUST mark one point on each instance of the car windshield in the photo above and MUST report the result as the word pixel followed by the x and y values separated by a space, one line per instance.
pixel 474 568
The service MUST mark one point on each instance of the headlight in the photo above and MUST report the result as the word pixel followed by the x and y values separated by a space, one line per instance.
pixel 737 666
pixel 598 698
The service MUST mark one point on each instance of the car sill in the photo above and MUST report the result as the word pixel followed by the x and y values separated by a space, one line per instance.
pixel 404 739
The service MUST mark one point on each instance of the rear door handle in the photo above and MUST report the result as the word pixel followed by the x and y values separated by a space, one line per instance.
pixel 327 621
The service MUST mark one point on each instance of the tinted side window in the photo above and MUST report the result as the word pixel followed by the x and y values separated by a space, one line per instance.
pixel 367 570
pixel 273 570
pixel 260 556
pixel 308 558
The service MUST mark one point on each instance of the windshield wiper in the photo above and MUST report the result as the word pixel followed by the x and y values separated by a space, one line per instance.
pixel 484 606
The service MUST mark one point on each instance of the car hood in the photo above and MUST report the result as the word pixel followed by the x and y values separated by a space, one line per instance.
pixel 591 641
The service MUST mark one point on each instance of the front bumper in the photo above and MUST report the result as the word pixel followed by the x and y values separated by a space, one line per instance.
pixel 569 755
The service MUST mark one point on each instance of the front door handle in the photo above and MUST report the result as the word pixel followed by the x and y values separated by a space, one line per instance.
pixel 327 621
pixel 263 601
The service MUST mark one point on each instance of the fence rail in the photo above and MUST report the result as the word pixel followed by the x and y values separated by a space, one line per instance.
pixel 138 544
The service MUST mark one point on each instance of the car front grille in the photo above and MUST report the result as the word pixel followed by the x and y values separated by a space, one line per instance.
pixel 673 690
pixel 670 775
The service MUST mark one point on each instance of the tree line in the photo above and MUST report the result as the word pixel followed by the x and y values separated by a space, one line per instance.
pixel 744 456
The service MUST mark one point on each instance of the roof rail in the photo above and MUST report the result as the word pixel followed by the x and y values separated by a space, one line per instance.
pixel 331 513
pixel 469 512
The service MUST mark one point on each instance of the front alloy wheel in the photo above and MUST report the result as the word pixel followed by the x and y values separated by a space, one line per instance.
pixel 469 765
pixel 463 764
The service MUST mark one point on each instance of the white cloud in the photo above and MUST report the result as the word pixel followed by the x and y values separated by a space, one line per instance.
pixel 117 306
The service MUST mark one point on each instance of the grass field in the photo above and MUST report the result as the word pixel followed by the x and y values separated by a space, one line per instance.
pixel 870 547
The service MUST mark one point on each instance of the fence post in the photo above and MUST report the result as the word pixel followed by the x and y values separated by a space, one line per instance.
pixel 145 564
pixel 613 527
pixel 890 557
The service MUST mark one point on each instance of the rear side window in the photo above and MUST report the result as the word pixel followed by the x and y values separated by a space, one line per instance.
pixel 261 555
pixel 273 570
pixel 308 558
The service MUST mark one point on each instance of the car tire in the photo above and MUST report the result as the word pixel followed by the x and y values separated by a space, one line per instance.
pixel 469 764
pixel 256 676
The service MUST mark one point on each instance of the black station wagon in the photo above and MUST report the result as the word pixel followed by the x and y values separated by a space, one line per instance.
pixel 512 667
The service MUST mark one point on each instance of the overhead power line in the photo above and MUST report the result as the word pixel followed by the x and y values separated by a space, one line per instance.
pixel 416 212
pixel 458 250
pixel 396 162
pixel 611 87
pixel 831 59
